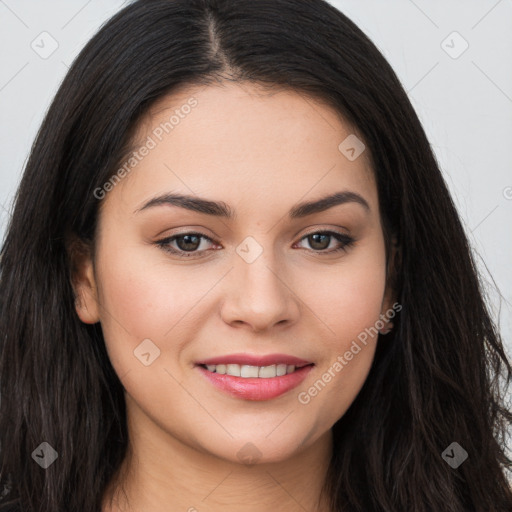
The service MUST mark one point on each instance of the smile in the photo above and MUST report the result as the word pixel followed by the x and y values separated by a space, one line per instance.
pixel 255 382
pixel 247 371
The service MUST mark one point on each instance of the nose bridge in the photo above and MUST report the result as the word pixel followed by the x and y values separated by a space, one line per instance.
pixel 260 296
pixel 256 267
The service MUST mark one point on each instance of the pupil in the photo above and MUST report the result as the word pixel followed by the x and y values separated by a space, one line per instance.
pixel 186 247
pixel 185 243
pixel 315 238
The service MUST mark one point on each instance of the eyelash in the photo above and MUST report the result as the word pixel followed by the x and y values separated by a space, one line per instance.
pixel 341 237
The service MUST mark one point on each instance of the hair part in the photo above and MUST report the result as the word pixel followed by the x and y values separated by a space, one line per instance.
pixel 434 380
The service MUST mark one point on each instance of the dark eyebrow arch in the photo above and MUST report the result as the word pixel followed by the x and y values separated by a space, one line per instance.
pixel 221 209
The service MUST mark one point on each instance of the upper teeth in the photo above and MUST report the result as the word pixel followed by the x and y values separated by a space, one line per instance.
pixel 265 372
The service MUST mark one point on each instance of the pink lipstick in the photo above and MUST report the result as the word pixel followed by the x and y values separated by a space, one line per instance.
pixel 253 377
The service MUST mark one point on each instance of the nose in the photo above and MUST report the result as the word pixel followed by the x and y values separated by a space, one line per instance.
pixel 259 296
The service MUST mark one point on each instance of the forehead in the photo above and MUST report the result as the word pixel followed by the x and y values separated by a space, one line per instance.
pixel 242 143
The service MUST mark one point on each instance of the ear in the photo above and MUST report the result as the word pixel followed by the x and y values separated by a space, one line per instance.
pixel 83 281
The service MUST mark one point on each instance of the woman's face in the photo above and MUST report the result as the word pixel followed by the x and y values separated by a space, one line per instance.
pixel 258 283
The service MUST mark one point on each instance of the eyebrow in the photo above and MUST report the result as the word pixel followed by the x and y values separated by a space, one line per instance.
pixel 221 209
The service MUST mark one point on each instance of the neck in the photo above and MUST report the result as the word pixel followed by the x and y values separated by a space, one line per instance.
pixel 161 473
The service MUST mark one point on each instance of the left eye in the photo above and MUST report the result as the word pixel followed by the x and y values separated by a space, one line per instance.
pixel 319 237
pixel 187 242
pixel 190 242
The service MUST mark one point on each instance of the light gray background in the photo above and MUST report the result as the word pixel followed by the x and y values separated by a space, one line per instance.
pixel 464 101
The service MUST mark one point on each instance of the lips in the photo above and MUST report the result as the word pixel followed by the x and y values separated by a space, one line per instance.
pixel 257 388
pixel 255 360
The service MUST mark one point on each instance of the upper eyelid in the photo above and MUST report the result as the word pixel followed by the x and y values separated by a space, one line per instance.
pixel 172 238
pixel 211 239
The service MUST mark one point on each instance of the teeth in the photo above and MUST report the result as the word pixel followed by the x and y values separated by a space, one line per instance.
pixel 266 372
pixel 247 371
pixel 233 369
pixel 281 370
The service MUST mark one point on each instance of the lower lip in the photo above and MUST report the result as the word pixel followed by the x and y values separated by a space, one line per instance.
pixel 255 388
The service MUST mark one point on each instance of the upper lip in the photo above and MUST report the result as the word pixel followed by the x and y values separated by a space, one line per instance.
pixel 255 360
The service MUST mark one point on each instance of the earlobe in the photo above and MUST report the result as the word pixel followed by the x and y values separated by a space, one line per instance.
pixel 86 304
pixel 83 282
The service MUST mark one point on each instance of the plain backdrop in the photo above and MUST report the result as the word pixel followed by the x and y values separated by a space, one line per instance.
pixel 454 58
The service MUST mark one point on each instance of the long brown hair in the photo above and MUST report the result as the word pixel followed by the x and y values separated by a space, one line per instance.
pixel 434 382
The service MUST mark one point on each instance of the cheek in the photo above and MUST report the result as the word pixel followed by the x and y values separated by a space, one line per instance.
pixel 350 303
pixel 142 299
pixel 349 297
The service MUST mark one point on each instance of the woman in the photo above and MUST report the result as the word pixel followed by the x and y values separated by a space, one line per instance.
pixel 235 279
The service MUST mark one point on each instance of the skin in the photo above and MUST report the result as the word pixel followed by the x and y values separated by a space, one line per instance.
pixel 261 154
